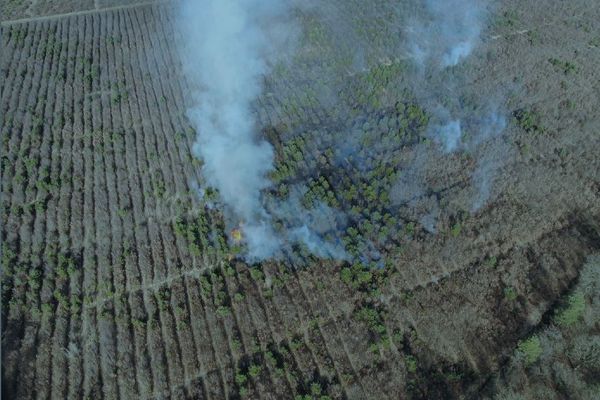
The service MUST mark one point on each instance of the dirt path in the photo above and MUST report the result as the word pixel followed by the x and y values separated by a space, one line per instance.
pixel 77 13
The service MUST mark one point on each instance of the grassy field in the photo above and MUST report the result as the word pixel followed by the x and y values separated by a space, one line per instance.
pixel 118 281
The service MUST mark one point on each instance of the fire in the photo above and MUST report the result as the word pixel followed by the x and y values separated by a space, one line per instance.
pixel 236 235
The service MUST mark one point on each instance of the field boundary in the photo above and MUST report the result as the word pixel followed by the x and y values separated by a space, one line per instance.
pixel 82 12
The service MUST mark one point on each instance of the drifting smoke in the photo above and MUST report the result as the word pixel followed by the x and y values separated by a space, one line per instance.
pixel 229 47
pixel 439 41
pixel 449 33
pixel 225 55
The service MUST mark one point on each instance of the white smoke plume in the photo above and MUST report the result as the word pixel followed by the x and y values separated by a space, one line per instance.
pixel 228 48
pixel 448 33
pixel 442 38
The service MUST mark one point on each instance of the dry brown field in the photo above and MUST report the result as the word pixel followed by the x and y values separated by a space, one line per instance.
pixel 112 286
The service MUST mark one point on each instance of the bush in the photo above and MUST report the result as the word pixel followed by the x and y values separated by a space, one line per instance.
pixel 585 353
pixel 223 311
pixel 346 275
pixel 566 67
pixel 315 389
pixel 529 121
pixel 238 297
pixel 573 310
pixel 510 293
pixel 356 276
pixel 372 318
pixel 254 370
pixel 411 364
pixel 455 231
pixel 531 348
pixel 256 274
pixel 240 379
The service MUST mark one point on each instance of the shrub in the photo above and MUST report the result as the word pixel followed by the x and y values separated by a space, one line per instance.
pixel 529 121
pixel 356 276
pixel 491 262
pixel 565 66
pixel 229 271
pixel 206 285
pixel 223 311
pixel 531 348
pixel 372 318
pixel 315 389
pixel 296 343
pixel 572 311
pixel 238 297
pixel 585 353
pixel 256 274
pixel 455 231
pixel 411 364
pixel 254 370
pixel 240 379
pixel 346 275
pixel 510 293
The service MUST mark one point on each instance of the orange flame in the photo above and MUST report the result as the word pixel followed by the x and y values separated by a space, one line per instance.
pixel 236 235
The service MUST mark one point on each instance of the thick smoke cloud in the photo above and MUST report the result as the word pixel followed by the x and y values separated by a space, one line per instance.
pixel 229 47
pixel 226 52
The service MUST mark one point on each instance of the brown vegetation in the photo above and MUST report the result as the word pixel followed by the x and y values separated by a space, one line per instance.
pixel 113 288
